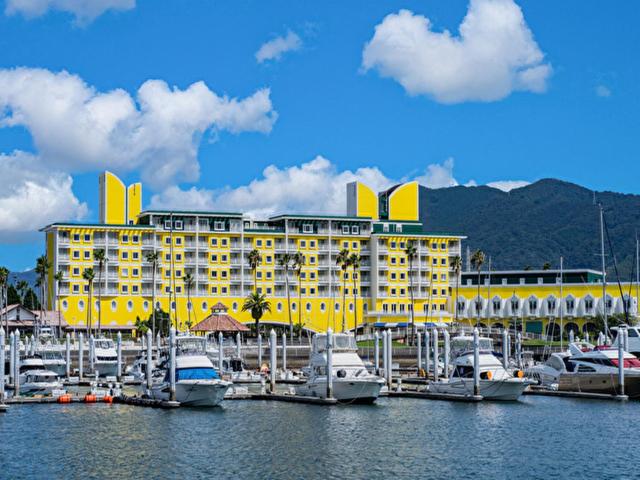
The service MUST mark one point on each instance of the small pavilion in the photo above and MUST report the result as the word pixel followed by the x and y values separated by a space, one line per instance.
pixel 219 321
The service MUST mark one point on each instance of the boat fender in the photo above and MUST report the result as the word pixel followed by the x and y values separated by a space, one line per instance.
pixel 89 398
pixel 486 375
pixel 342 373
pixel 518 374
pixel 107 399
pixel 64 398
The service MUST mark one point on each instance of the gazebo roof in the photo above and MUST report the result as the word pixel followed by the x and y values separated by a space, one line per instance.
pixel 219 321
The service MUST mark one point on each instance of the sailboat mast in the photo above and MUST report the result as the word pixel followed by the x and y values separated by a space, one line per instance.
pixel 561 303
pixel 604 273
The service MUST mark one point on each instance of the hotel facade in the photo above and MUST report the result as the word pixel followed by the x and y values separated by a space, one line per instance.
pixel 213 248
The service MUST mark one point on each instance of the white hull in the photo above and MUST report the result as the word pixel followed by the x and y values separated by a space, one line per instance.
pixel 344 390
pixel 106 369
pixel 508 390
pixel 59 367
pixel 39 388
pixel 194 393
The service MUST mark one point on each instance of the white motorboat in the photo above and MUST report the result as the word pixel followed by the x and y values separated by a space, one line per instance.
pixel 198 384
pixel 53 359
pixel 236 370
pixel 352 382
pixel 496 383
pixel 587 368
pixel 633 332
pixel 105 357
pixel 35 379
pixel 138 369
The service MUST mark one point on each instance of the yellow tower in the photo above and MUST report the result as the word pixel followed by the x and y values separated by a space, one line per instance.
pixel 361 201
pixel 404 202
pixel 134 202
pixel 113 199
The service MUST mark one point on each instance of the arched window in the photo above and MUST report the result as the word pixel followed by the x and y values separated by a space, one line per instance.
pixel 114 305
pixel 130 305
pixel 308 306
pixel 81 305
pixel 204 306
pixel 145 305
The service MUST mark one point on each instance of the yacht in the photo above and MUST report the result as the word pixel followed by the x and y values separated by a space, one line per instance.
pixel 105 357
pixel 586 368
pixel 53 359
pixel 634 338
pixel 352 382
pixel 198 384
pixel 496 383
pixel 35 379
pixel 235 369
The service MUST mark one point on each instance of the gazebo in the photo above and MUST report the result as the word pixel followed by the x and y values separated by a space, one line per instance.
pixel 219 321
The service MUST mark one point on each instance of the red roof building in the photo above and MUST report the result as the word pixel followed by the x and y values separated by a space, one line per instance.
pixel 219 321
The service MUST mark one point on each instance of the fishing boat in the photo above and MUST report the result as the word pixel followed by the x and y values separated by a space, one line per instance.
pixel 588 368
pixel 496 383
pixel 352 382
pixel 198 384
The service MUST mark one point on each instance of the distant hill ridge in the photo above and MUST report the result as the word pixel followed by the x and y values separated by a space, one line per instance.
pixel 538 223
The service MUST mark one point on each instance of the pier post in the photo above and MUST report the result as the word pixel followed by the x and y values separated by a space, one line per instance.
pixel 435 354
pixel 447 351
pixel 427 351
pixel 172 364
pixel 284 354
pixel 586 336
pixel 571 337
pixel 16 365
pixel 376 352
pixel 67 340
pixel 119 357
pixel 2 360
pixel 385 352
pixel 80 356
pixel 620 364
pixel 149 368
pixel 389 358
pixel 419 351
pixel 505 348
pixel 476 362
pixel 220 353
pixel 519 349
pixel 30 347
pixel 238 345
pixel 12 359
pixel 273 345
pixel 329 363
pixel 92 354
pixel 259 351
pixel 158 342
pixel 626 340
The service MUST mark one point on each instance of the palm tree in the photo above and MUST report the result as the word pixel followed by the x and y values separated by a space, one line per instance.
pixel 89 275
pixel 58 277
pixel 285 262
pixel 22 287
pixel 342 260
pixel 152 258
pixel 411 252
pixel 354 261
pixel 546 266
pixel 100 257
pixel 258 305
pixel 477 259
pixel 255 259
pixel 456 265
pixel 299 261
pixel 189 282
pixel 4 278
pixel 42 270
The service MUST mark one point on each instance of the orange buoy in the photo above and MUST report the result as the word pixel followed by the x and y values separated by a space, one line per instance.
pixel 66 398
pixel 89 398
pixel 107 399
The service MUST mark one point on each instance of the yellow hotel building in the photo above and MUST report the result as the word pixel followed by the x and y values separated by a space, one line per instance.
pixel 213 248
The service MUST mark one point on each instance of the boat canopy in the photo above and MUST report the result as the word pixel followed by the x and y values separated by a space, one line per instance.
pixel 341 341
pixel 196 373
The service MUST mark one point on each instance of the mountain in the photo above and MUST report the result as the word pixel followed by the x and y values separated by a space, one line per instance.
pixel 28 275
pixel 537 223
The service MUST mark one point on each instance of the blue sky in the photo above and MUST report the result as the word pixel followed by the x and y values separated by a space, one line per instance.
pixel 317 114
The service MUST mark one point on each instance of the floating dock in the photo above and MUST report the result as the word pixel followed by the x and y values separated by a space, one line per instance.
pixel 566 394
pixel 451 397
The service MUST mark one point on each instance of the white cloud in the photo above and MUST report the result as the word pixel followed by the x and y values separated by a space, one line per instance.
pixel 508 185
pixel 33 196
pixel 493 55
pixel 438 176
pixel 84 11
pixel 275 48
pixel 77 128
pixel 603 91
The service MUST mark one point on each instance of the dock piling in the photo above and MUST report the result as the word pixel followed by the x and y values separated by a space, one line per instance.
pixel 118 356
pixel 16 365
pixel 67 341
pixel 389 359
pixel 2 357
pixel 92 353
pixel 419 350
pixel 80 356
pixel 284 353
pixel 12 359
pixel 385 360
pixel 519 350
pixel 476 362
pixel 259 351
pixel 238 345
pixel 505 348
pixel 427 351
pixel 376 352
pixel 571 336
pixel 172 364
pixel 329 363
pixel 220 353
pixel 621 363
pixel 435 355
pixel 273 345
pixel 149 367
pixel 447 352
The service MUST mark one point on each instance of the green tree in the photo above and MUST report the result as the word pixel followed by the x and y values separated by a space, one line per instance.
pixel 258 305
pixel 342 260
pixel 299 261
pixel 255 259
pixel 22 287
pixel 456 266
pixel 99 257
pixel 31 300
pixel 152 258
pixel 411 252
pixel 477 260
pixel 89 275
pixel 284 261
pixel 354 261
pixel 13 296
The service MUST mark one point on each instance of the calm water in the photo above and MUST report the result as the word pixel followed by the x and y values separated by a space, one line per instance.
pixel 403 438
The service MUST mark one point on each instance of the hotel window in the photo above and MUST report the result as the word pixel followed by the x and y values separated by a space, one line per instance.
pixel 223 258
pixel 434 246
pixel 214 289
pixel 76 288
pixel 76 271
pixel 392 244
pixel 259 275
pixel 258 243
pixel 214 242
pixel 393 275
pixel 87 255
pixel 179 224
pixel 443 246
pixel 434 291
pixel 87 237
pixel 588 305
pixel 167 257
pixel 214 258
pixel 218 226
pixel 167 224
pixel 223 242
pixel 399 227
pixel 124 272
pixel 402 291
pixel 223 290
pixel 443 261
pixel 135 239
pixel 345 245
pixel 322 307
pixel 178 273
pixel 76 237
pixel 403 276
pixel 136 255
pixel 125 238
pixel 312 275
pixel 167 289
pixel 134 289
pixel 443 292
pixel 345 229
pixel 393 291
pixel 402 260
pixel 135 272
pixel 402 308
pixel 312 291
pixel 533 305
pixel 268 275
pixel 167 273
pixel 570 305
pixel 460 306
pixel 86 289
pixel 303 244
pixel 394 308
pixel 178 240
pixel 393 260
pixel 214 274
pixel 355 230
pixel 514 306
pixel 336 307
pixel 178 257
pixel 307 228
pixel 434 261
pixel 312 244
pixel 385 307
pixel 76 254
pixel 178 289
pixel 443 277
pixel 442 307
pixel 268 243
pixel 268 290
pixel 385 228
pixel 434 277
pixel 125 255
pixel 312 260
pixel 125 288
pixel 167 240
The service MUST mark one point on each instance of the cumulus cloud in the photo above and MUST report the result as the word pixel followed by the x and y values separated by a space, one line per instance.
pixel 508 185
pixel 603 91
pixel 275 48
pixel 33 196
pixel 77 128
pixel 84 11
pixel 438 176
pixel 493 54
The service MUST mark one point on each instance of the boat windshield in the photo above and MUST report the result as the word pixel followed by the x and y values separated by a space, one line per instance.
pixel 466 344
pixel 196 374
pixel 191 345
pixel 340 342
pixel 104 344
